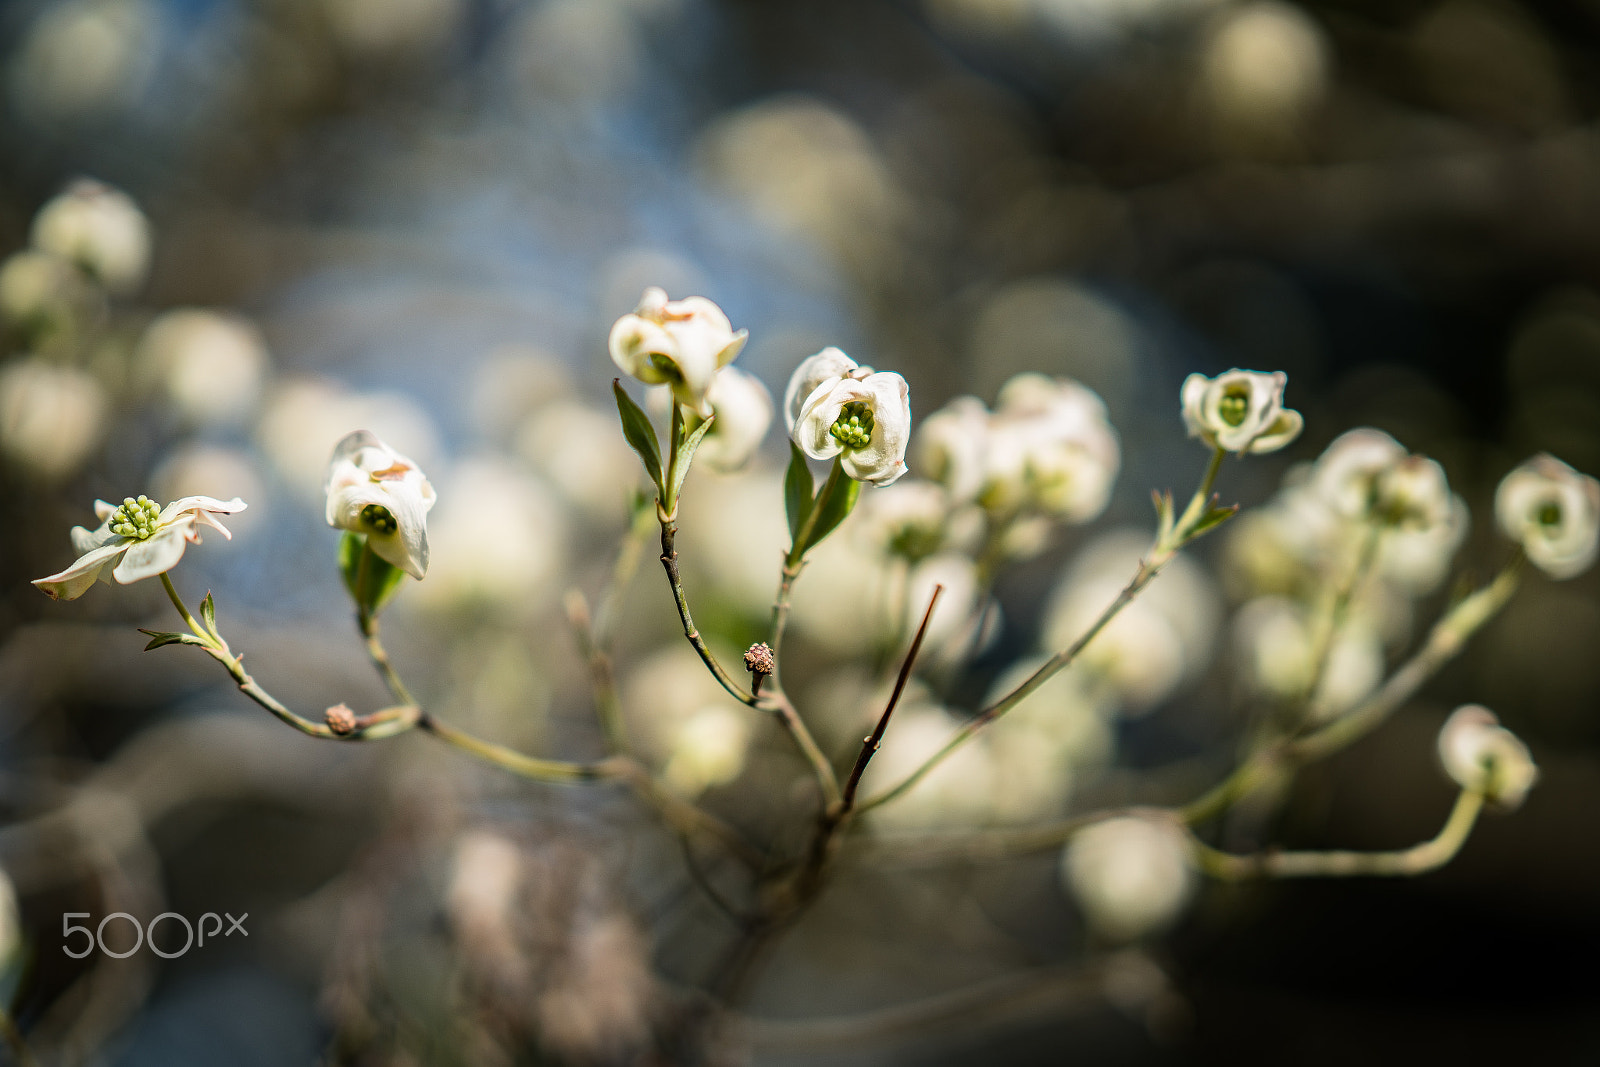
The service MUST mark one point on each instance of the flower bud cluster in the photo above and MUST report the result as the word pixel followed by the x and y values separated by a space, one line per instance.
pixel 1047 449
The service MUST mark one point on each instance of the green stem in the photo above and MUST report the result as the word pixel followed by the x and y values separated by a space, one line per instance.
pixel 669 561
pixel 1445 641
pixel 177 602
pixel 1419 859
pixel 1161 553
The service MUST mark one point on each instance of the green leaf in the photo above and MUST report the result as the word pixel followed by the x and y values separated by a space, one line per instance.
pixel 1164 516
pixel 797 491
pixel 837 498
pixel 686 456
pixel 162 637
pixel 372 590
pixel 1212 519
pixel 640 434
pixel 208 615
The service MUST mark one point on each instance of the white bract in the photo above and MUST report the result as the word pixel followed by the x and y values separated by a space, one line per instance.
pixel 374 490
pixel 136 540
pixel 835 407
pixel 1485 757
pixel 99 228
pixel 1240 411
pixel 679 343
pixel 1553 512
pixel 1132 875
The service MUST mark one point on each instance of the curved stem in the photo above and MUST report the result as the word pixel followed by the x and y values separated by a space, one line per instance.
pixel 1445 641
pixel 183 609
pixel 1194 522
pixel 1419 859
pixel 827 778
pixel 669 560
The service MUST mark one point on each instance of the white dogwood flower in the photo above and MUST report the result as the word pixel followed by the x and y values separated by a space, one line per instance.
pixel 1240 411
pixel 835 407
pixel 680 343
pixel 136 539
pixel 1485 757
pixel 374 490
pixel 1553 511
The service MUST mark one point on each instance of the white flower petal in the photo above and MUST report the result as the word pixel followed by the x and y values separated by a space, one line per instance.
pixel 813 372
pixel 73 582
pixel 157 554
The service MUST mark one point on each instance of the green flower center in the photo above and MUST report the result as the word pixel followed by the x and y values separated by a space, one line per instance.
pixel 136 519
pixel 379 518
pixel 1234 405
pixel 1549 514
pixel 853 427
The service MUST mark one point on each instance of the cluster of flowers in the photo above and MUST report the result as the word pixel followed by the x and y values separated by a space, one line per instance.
pixel 1045 454
pixel 77 346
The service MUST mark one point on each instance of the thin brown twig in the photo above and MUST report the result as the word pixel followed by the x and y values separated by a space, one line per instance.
pixel 870 744
pixel 669 561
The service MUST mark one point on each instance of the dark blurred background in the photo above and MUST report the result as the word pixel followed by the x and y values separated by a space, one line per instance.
pixel 423 215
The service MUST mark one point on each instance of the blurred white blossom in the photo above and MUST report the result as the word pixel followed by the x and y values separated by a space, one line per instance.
pixel 99 228
pixel 1158 640
pixel 210 364
pixel 193 466
pixel 1050 448
pixel 51 417
pixel 959 791
pixel 1131 875
pixel 1276 642
pixel 576 448
pixel 707 749
pixel 305 418
pixel 1553 512
pixel 1481 755
pixel 37 287
pixel 498 537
